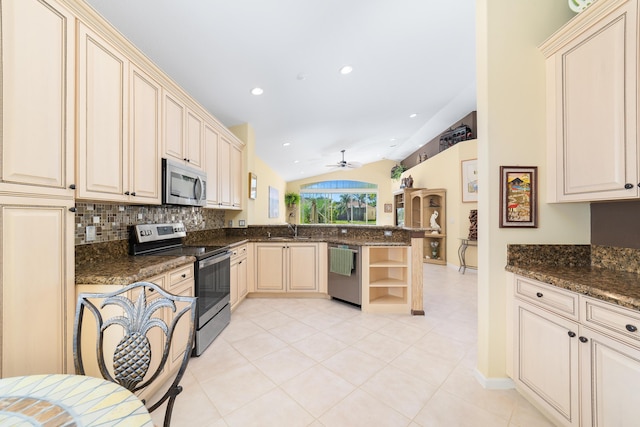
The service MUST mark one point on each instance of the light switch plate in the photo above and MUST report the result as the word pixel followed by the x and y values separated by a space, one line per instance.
pixel 96 220
pixel 241 222
pixel 388 233
pixel 90 234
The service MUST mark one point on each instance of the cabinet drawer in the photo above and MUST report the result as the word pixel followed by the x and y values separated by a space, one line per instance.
pixel 547 296
pixel 238 252
pixel 180 275
pixel 613 320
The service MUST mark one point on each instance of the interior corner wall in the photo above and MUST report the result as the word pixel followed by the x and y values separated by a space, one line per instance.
pixel 444 171
pixel 256 212
pixel 512 131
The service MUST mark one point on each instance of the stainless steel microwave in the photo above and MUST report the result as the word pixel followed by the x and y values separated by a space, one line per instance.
pixel 182 185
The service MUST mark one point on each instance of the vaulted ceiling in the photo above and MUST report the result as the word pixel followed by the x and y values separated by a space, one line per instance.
pixel 408 57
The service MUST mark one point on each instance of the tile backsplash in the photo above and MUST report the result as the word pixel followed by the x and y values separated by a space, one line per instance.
pixel 112 221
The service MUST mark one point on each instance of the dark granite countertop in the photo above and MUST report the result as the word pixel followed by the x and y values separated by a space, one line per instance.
pixel 110 264
pixel 571 267
pixel 129 269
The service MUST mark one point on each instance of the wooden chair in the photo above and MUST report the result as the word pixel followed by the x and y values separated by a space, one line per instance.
pixel 128 325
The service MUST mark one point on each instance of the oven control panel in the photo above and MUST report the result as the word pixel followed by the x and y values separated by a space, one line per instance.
pixel 154 232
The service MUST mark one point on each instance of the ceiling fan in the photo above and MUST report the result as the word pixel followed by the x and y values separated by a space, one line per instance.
pixel 343 164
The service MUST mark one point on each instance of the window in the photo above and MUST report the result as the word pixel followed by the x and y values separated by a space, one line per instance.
pixel 339 202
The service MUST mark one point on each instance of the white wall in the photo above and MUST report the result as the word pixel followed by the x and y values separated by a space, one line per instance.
pixel 511 132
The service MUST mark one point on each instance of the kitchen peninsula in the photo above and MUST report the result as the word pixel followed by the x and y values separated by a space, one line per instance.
pixel 110 263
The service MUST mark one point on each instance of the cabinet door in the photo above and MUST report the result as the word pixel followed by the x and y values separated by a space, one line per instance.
pixel 233 279
pixel 610 374
pixel 194 140
pixel 37 289
pixel 243 287
pixel 546 361
pixel 181 333
pixel 270 267
pixel 211 164
pixel 224 171
pixel 303 267
pixel 173 127
pixel 38 95
pixel 103 159
pixel 595 101
pixel 144 138
pixel 236 176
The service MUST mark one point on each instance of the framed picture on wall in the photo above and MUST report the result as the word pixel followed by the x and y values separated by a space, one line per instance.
pixel 274 202
pixel 469 169
pixel 253 186
pixel 518 196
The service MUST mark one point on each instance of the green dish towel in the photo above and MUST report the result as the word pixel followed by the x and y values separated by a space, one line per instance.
pixel 340 261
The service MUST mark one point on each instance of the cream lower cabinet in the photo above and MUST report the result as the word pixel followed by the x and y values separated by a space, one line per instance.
pixel 179 281
pixel 239 274
pixel 38 100
pixel 287 267
pixel 592 104
pixel 576 358
pixel 37 286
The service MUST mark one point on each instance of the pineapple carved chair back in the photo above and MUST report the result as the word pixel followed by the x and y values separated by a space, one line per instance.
pixel 140 337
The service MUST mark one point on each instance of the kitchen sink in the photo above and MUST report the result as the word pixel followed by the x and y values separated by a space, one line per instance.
pixel 289 238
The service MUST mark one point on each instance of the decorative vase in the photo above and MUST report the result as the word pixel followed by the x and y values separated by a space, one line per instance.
pixel 434 249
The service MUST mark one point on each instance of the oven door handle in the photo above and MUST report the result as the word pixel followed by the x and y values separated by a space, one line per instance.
pixel 214 260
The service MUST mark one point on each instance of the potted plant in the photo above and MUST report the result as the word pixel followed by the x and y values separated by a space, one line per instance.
pixel 396 171
pixel 291 199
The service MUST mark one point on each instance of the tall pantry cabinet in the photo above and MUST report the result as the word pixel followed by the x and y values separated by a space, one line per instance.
pixel 37 187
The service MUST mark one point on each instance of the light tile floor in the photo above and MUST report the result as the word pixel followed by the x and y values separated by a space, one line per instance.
pixel 315 362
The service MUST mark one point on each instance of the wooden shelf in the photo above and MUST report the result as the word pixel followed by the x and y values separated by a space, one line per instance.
pixel 386 279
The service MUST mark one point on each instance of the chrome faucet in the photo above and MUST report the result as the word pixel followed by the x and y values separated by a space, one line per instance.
pixel 293 228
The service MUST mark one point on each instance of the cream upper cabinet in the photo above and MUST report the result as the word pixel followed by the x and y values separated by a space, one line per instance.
pixel 183 132
pixel 287 267
pixel 224 172
pixel 144 138
pixel 103 158
pixel 119 126
pixel 37 286
pixel 38 97
pixel 236 176
pixel 211 138
pixel 592 104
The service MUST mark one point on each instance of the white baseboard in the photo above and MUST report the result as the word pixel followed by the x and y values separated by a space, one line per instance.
pixel 494 383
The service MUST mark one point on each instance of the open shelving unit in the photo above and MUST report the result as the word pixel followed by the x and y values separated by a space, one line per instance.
pixel 386 286
pixel 423 204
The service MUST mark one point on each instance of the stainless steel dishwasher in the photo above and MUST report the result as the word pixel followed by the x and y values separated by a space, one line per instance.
pixel 342 286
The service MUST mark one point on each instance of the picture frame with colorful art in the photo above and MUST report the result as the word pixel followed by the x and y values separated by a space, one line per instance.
pixel 518 196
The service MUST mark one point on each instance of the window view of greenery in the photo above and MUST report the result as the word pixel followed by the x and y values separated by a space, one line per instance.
pixel 338 202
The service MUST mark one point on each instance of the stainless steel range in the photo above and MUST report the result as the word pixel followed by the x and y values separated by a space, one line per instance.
pixel 212 274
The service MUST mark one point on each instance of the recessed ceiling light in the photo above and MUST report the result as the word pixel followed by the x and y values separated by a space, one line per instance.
pixel 413 115
pixel 286 144
pixel 346 69
pixel 296 161
pixel 257 91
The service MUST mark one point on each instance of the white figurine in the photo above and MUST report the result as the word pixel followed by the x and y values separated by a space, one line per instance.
pixel 434 225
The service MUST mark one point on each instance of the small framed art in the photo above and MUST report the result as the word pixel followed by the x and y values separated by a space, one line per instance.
pixel 253 185
pixel 518 196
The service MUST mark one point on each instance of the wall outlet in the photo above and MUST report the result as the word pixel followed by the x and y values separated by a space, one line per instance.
pixel 121 208
pixel 96 220
pixel 388 233
pixel 90 233
pixel 241 222
pixel 139 216
pixel 343 231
